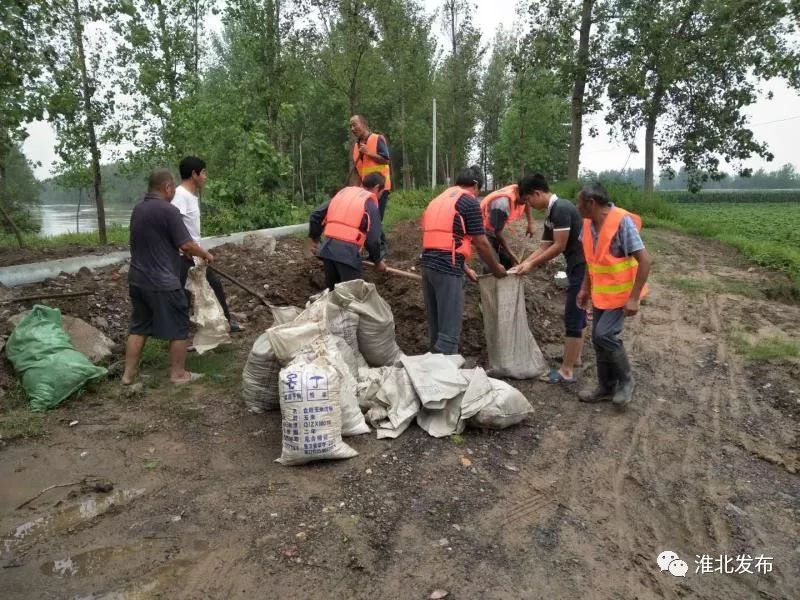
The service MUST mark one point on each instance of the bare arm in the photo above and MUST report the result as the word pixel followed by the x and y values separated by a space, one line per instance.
pixel 486 253
pixel 501 238
pixel 529 231
pixel 192 248
pixel 643 258
pixel 545 253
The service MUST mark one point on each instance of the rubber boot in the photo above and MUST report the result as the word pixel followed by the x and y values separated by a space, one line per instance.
pixel 604 392
pixel 626 383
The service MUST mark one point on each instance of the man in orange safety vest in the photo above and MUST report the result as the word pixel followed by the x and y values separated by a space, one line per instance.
pixel 617 267
pixel 349 221
pixel 370 154
pixel 499 209
pixel 451 225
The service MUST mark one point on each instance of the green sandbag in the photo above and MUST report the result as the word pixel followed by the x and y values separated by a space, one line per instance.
pixel 50 366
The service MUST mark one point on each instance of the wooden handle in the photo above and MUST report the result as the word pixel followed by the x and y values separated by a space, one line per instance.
pixel 250 290
pixel 394 271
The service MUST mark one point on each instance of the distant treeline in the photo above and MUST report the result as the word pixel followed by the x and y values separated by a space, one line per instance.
pixel 784 178
pixel 120 187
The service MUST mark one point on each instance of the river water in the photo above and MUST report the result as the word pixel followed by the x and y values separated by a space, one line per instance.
pixel 61 218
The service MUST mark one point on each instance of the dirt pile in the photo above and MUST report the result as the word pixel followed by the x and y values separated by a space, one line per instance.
pixel 290 276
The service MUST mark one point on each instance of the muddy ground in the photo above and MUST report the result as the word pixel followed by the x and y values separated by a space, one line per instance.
pixel 577 502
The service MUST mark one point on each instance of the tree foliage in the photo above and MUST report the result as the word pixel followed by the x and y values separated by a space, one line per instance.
pixel 684 70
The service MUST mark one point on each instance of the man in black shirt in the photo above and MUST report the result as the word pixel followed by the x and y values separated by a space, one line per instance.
pixel 562 230
pixel 160 306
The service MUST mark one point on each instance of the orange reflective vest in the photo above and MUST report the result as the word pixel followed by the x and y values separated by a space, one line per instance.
pixel 365 165
pixel 437 225
pixel 516 210
pixel 612 278
pixel 345 214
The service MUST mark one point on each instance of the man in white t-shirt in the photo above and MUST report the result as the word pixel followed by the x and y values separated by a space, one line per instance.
pixel 193 178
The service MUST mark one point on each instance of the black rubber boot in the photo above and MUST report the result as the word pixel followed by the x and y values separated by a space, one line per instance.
pixel 626 382
pixel 604 392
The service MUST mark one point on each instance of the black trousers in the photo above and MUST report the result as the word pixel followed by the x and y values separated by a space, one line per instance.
pixel 213 281
pixel 337 272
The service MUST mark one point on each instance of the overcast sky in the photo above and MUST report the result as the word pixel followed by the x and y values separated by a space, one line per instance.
pixel 776 121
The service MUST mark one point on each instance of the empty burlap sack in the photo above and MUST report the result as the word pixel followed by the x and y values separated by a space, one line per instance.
pixel 512 350
pixel 207 314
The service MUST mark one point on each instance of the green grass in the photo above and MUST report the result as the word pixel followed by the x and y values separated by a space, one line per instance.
pixel 765 233
pixel 771 348
pixel 21 423
pixel 692 285
pixel 117 236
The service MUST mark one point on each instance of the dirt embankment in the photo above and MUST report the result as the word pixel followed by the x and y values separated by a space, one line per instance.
pixel 578 502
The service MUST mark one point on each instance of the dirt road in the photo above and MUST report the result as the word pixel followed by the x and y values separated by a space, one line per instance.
pixel 578 502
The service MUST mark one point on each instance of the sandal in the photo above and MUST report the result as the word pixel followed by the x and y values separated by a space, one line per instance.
pixel 192 378
pixel 555 377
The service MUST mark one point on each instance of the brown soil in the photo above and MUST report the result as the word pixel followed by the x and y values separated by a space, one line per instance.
pixel 577 502
pixel 10 256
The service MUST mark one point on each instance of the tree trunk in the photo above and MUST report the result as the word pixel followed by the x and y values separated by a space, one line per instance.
pixel 300 153
pixel 5 150
pixel 196 35
pixel 17 232
pixel 649 141
pixel 405 169
pixel 649 151
pixel 90 126
pixel 579 91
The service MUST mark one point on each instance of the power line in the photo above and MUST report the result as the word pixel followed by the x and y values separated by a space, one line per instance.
pixel 776 121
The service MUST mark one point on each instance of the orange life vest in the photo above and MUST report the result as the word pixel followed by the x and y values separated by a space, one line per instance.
pixel 346 212
pixel 365 165
pixel 612 278
pixel 437 225
pixel 516 210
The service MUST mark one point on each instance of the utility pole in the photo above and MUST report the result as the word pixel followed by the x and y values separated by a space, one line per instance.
pixel 433 152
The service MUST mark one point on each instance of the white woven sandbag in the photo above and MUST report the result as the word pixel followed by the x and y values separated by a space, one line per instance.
pixel 507 407
pixel 212 326
pixel 311 412
pixel 339 353
pixel 284 314
pixel 436 378
pixel 376 333
pixel 260 377
pixel 512 350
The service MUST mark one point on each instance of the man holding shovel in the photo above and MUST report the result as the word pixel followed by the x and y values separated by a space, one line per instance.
pixel 349 221
pixel 561 235
pixel 499 209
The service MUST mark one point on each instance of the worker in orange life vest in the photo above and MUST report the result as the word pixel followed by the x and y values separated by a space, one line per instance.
pixel 617 267
pixel 498 209
pixel 370 154
pixel 451 225
pixel 349 221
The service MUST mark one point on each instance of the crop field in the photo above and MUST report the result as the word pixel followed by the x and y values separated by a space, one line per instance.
pixel 765 232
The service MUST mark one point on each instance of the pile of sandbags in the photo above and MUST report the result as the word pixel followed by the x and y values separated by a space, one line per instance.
pixel 337 360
